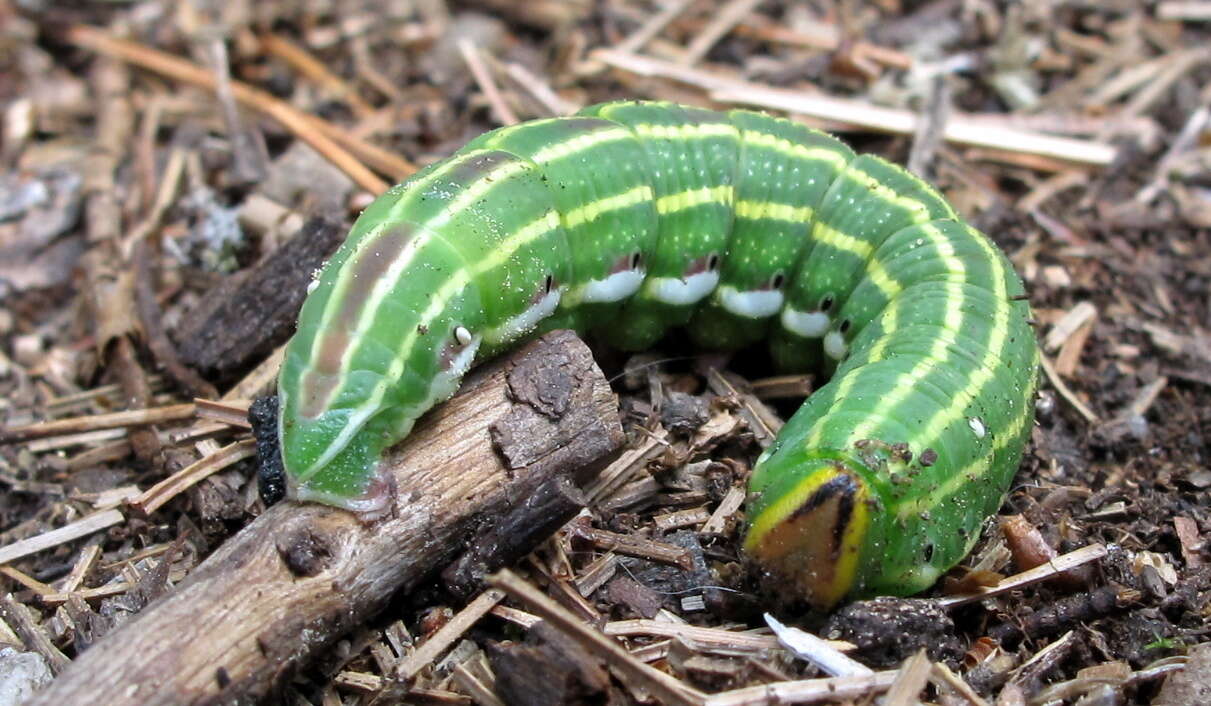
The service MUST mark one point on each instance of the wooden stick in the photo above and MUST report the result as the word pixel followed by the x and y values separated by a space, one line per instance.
pixel 302 575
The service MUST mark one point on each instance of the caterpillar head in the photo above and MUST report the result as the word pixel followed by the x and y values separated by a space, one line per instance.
pixel 809 520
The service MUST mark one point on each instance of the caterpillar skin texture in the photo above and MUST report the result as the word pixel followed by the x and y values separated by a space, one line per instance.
pixel 632 217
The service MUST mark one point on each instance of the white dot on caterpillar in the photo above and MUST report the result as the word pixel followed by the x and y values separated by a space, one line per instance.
pixel 977 425
pixel 462 335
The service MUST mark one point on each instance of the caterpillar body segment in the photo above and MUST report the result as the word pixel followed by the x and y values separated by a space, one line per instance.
pixel 632 218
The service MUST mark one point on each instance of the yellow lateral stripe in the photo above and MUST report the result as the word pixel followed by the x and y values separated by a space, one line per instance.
pixel 459 279
pixel 939 349
pixel 982 375
pixel 466 197
pixel 969 473
pixel 792 149
pixel 877 274
pixel 593 210
pixel 773 210
pixel 845 385
pixel 687 131
pixel 680 201
pixel 827 235
pixel 907 382
pixel 909 203
pixel 790 501
pixel 580 143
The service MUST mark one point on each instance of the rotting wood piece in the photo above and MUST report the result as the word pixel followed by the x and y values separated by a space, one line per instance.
pixel 252 312
pixel 549 668
pixel 301 576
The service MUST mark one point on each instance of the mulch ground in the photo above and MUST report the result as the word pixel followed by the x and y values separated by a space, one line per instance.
pixel 156 155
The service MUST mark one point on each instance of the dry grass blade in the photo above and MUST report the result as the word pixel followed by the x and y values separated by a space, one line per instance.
pixel 808 691
pixel 96 422
pixel 80 528
pixel 182 70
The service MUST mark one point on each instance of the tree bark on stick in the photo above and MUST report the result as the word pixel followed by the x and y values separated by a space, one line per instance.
pixel 302 575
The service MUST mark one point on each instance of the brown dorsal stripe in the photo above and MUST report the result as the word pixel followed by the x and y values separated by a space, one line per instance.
pixel 367 268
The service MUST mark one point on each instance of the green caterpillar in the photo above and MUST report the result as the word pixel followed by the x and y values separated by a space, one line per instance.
pixel 633 217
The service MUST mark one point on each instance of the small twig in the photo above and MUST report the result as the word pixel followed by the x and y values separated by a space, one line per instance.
pixel 725 18
pixel 960 128
pixel 911 679
pixel 231 413
pixel 113 420
pixel 701 638
pixel 484 79
pixel 157 339
pixel 658 683
pixel 634 545
pixel 187 477
pixel 806 691
pixel 31 633
pixel 1184 10
pixel 169 183
pixel 942 673
pixel 540 90
pixel 1068 324
pixel 80 528
pixel 314 69
pixel 108 590
pixel 930 128
pixel 1054 378
pixel 727 509
pixel 782 386
pixel 1059 565
pixel 1045 659
pixel 447 635
pixel 80 569
pixel 654 25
